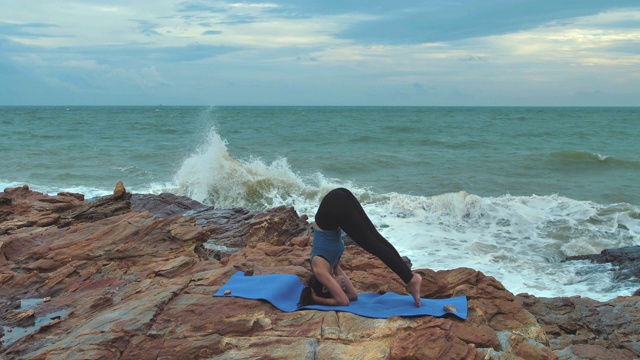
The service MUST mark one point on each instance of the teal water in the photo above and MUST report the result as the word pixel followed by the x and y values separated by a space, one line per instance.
pixel 510 191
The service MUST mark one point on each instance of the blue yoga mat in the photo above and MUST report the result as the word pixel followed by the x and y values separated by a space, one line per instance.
pixel 283 291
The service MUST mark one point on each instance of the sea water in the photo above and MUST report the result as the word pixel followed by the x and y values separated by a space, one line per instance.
pixel 509 191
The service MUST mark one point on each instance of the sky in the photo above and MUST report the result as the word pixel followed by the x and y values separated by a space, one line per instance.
pixel 324 52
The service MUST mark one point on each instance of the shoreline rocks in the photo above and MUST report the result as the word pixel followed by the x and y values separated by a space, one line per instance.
pixel 626 261
pixel 128 276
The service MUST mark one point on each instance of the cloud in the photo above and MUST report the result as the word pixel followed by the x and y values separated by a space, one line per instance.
pixel 420 22
pixel 147 28
pixel 27 30
pixel 191 52
pixel 150 78
pixel 470 58
pixel 211 32
pixel 324 52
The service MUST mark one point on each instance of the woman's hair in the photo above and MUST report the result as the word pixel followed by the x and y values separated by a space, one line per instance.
pixel 315 286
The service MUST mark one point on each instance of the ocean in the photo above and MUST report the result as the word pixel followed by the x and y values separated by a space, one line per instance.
pixel 509 191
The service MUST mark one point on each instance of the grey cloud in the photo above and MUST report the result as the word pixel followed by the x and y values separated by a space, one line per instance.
pixel 141 52
pixel 418 87
pixel 7 46
pixel 212 32
pixel 471 58
pixel 191 10
pixel 147 28
pixel 31 30
pixel 414 21
pixel 197 6
pixel 629 48
pixel 192 52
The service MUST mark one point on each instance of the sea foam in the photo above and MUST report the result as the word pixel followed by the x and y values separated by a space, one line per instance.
pixel 212 176
pixel 520 240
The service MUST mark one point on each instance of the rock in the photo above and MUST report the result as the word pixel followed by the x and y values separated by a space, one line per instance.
pixel 98 209
pixel 17 318
pixel 136 282
pixel 407 261
pixel 119 191
pixel 237 228
pixel 28 209
pixel 276 227
pixel 175 266
pixel 584 328
pixel 23 208
pixel 166 205
pixel 228 227
pixel 626 261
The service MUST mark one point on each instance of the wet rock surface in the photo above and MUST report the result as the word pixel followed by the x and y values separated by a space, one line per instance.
pixel 583 328
pixel 130 277
pixel 626 261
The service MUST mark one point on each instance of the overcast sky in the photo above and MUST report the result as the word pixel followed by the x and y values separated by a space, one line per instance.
pixel 323 52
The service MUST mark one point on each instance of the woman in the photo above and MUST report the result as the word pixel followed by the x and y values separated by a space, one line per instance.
pixel 329 285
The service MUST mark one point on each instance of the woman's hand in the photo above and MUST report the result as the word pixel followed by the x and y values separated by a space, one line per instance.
pixel 324 301
pixel 322 271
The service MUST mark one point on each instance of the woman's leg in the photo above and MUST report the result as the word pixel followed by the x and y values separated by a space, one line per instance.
pixel 340 208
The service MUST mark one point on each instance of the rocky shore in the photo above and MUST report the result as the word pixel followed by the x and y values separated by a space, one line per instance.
pixel 128 277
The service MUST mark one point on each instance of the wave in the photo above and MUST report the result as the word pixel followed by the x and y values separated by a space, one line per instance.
pixel 520 240
pixel 212 176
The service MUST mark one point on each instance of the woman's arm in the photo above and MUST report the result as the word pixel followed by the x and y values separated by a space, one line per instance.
pixel 347 286
pixel 322 271
pixel 324 301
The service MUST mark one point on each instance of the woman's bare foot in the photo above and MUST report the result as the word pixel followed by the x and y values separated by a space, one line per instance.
pixel 414 288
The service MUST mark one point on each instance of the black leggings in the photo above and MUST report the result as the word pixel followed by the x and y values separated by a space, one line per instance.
pixel 340 209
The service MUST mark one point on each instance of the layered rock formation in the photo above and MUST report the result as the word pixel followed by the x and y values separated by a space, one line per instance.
pixel 129 277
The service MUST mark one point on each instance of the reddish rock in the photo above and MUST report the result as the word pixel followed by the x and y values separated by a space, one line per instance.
pixel 23 208
pixel 138 285
pixel 587 329
pixel 166 205
pixel 119 191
